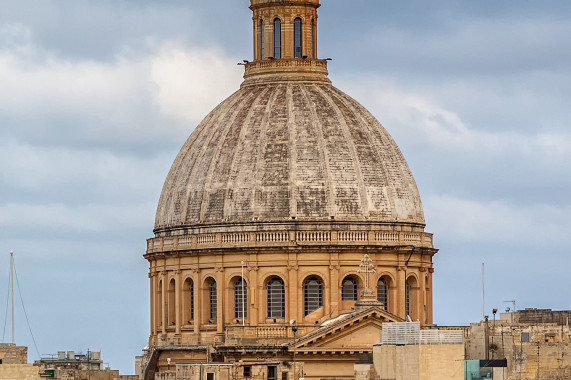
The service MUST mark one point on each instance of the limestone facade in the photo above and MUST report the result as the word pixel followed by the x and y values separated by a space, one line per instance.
pixel 12 354
pixel 19 372
pixel 419 362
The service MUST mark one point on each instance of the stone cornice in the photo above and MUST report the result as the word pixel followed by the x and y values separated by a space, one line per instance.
pixel 276 239
pixel 257 4
pixel 285 69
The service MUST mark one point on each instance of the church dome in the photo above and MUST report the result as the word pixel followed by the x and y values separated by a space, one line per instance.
pixel 288 205
pixel 288 147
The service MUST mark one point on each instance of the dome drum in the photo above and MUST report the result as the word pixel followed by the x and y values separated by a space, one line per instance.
pixel 282 235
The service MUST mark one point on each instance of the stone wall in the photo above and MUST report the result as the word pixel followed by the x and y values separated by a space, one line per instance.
pixel 441 361
pixel 533 315
pixel 533 350
pixel 19 372
pixel 12 354
pixel 419 362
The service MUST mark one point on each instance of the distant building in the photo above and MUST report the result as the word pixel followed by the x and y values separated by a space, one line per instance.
pixel 536 344
pixel 12 354
pixel 14 363
pixel 71 360
pixel 69 365
pixel 406 352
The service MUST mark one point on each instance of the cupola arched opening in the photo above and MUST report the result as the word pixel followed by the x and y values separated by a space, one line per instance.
pixel 277 38
pixel 297 38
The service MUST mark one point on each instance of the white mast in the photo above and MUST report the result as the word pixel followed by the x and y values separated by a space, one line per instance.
pixel 243 300
pixel 12 289
pixel 483 295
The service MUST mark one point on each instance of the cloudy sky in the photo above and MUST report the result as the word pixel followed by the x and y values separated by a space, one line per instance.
pixel 96 98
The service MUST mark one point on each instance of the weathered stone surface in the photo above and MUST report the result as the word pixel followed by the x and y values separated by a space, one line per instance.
pixel 294 149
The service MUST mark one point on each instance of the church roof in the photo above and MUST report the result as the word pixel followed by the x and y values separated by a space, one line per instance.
pixel 288 150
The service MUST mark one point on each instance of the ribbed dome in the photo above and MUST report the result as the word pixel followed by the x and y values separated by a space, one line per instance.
pixel 278 151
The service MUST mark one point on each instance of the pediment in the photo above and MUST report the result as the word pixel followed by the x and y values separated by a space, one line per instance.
pixel 361 329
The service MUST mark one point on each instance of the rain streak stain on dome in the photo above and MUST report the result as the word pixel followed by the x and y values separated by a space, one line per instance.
pixel 299 149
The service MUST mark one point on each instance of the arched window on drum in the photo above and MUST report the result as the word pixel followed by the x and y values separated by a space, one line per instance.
pixel 240 299
pixel 313 295
pixel 212 300
pixel 383 292
pixel 349 289
pixel 276 298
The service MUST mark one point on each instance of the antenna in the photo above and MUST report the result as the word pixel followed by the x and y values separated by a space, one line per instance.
pixel 483 294
pixel 12 289
pixel 243 298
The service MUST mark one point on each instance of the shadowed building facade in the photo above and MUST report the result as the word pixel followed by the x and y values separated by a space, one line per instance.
pixel 269 209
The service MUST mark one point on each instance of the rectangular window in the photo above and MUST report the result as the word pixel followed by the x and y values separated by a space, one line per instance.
pixel 284 376
pixel 524 337
pixel 262 47
pixel 209 376
pixel 247 371
pixel 213 300
pixel 240 299
pixel 272 372
pixel 277 38
pixel 297 41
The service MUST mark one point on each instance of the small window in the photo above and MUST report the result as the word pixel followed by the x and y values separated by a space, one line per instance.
pixel 297 41
pixel 272 372
pixel 284 376
pixel 349 289
pixel 277 38
pixel 524 337
pixel 209 375
pixel 247 371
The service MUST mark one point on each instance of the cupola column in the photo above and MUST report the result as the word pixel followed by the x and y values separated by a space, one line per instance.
pixel 285 29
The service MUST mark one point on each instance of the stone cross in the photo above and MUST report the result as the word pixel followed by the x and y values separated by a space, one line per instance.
pixel 366 267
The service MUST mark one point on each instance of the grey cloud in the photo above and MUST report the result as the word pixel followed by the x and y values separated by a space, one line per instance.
pixel 475 93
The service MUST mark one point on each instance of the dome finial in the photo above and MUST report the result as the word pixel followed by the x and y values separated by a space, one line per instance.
pixel 285 40
pixel 285 29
